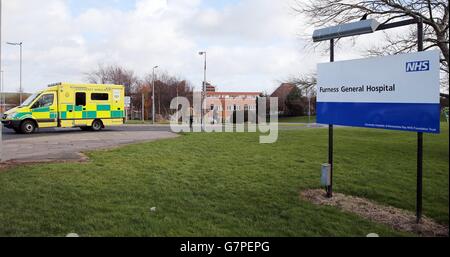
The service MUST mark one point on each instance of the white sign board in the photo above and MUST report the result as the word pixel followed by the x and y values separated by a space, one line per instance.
pixel 127 102
pixel 393 92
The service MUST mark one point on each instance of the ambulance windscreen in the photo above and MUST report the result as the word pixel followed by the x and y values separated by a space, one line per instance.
pixel 30 99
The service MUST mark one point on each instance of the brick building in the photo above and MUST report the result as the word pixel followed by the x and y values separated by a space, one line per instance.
pixel 221 105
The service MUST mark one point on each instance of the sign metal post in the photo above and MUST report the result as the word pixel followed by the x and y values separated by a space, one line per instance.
pixel 419 138
pixel 330 136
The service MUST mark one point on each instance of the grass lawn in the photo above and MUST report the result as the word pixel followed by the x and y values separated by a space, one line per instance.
pixel 224 185
pixel 303 119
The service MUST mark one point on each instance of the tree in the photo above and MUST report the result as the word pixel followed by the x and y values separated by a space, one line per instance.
pixel 306 82
pixel 113 74
pixel 167 87
pixel 294 103
pixel 302 99
pixel 435 15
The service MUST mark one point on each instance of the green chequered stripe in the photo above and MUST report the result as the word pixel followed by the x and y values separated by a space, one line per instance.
pixel 89 114
pixel 103 107
pixel 117 114
pixel 71 107
pixel 53 115
pixel 22 114
pixel 41 109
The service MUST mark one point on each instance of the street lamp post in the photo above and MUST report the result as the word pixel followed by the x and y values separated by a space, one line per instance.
pixel 203 88
pixel 177 104
pixel 142 107
pixel 2 96
pixel 20 84
pixel 153 94
pixel 309 105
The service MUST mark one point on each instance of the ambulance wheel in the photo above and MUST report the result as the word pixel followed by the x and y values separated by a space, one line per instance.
pixel 97 125
pixel 27 127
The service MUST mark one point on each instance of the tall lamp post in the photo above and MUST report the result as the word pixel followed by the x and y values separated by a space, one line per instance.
pixel 2 96
pixel 177 104
pixel 153 94
pixel 20 85
pixel 204 87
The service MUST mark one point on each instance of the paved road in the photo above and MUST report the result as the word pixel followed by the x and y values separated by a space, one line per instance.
pixel 66 144
pixel 9 134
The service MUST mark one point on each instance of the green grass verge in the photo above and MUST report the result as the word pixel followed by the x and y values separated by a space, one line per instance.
pixel 224 185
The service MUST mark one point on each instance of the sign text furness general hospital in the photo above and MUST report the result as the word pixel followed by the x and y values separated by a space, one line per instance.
pixel 352 89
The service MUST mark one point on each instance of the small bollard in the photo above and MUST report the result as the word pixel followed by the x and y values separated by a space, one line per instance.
pixel 325 179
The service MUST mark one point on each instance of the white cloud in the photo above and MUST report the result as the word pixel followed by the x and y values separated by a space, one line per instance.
pixel 251 44
pixel 255 20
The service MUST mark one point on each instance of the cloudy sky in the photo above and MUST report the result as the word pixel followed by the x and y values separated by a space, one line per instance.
pixel 251 44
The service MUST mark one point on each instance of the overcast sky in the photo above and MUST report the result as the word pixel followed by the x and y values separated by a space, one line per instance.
pixel 251 44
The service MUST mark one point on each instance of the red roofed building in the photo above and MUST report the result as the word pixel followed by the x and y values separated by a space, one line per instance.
pixel 221 105
pixel 282 92
pixel 293 101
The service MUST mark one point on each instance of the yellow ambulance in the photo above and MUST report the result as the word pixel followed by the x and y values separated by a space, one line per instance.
pixel 66 105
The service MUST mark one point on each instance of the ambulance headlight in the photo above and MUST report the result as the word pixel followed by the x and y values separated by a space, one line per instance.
pixel 10 116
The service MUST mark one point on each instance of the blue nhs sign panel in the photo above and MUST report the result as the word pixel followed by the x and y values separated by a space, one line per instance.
pixel 399 92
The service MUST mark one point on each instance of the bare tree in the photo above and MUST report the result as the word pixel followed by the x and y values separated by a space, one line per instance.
pixel 435 15
pixel 167 87
pixel 113 74
pixel 302 92
pixel 306 82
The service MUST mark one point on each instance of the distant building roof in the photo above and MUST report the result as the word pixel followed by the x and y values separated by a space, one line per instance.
pixel 283 90
pixel 210 88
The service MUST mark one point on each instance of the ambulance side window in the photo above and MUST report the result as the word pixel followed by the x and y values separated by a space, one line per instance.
pixel 99 96
pixel 44 101
pixel 80 99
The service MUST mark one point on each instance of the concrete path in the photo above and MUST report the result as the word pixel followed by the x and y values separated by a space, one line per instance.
pixel 67 145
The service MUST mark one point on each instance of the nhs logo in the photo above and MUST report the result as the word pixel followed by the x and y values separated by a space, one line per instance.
pixel 417 66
